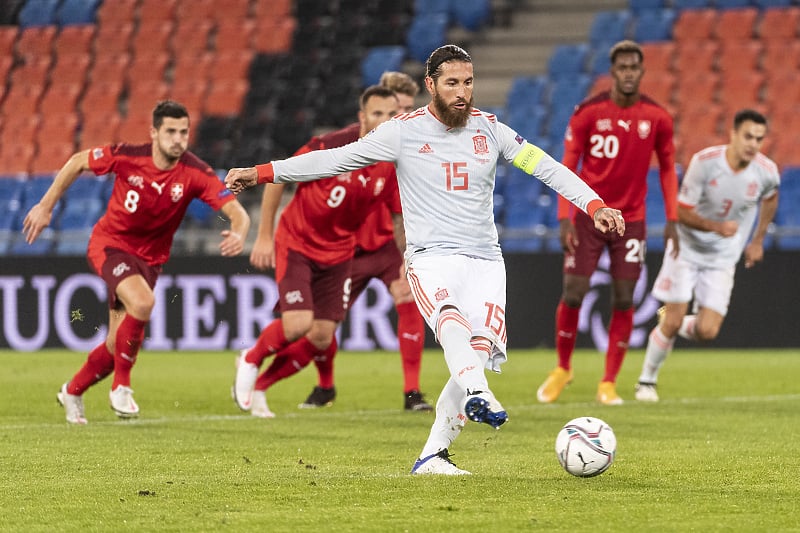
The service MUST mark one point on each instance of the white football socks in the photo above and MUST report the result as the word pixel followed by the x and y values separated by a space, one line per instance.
pixel 658 348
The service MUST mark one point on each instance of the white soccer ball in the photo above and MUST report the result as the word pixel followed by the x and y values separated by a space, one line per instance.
pixel 586 446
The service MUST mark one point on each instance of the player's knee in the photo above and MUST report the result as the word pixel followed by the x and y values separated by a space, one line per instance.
pixel 706 332
pixel 142 308
pixel 296 327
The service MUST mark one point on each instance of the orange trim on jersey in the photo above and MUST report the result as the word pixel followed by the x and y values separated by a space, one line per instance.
pixel 710 152
pixel 685 205
pixel 481 345
pixel 414 114
pixel 419 294
pixel 593 206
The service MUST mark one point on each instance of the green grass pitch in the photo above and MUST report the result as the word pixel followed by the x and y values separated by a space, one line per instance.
pixel 720 453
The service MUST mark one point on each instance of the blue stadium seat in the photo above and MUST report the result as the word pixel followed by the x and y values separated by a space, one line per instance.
pixel 43 245
pixel 600 62
pixel 32 191
pixel 429 7
pixel 379 60
pixel 470 14
pixel 527 90
pixel 568 60
pixel 87 186
pixel 766 4
pixel 640 6
pixel 426 34
pixel 609 26
pixel 653 26
pixel 528 121
pixel 731 4
pixel 199 213
pixel 72 242
pixel 74 12
pixel 691 4
pixel 80 213
pixel 567 92
pixel 38 13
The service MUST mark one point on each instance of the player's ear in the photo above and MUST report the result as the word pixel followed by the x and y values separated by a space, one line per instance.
pixel 153 133
pixel 429 84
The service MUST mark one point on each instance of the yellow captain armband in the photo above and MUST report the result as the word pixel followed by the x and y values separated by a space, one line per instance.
pixel 528 157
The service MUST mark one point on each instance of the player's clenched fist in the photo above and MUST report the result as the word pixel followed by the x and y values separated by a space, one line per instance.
pixel 239 179
pixel 607 219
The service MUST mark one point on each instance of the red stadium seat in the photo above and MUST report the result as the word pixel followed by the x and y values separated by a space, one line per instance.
pixel 136 129
pixel 601 83
pixel 275 36
pixel 196 10
pixel 102 96
pixel 694 25
pixel 192 66
pixel 71 68
pixel 780 56
pixel 781 89
pixel 191 93
pixel 110 67
pixel 58 127
pixel 60 97
pixel 153 37
pixel 8 37
pixel 739 55
pixel 783 149
pixel 226 97
pixel 155 11
pixel 780 24
pixel 274 9
pixel 688 146
pixel 148 66
pixel 692 57
pixel 35 70
pixel 113 38
pixel 234 65
pixel 698 87
pixel 51 156
pixel 234 35
pixel 659 85
pixel 75 40
pixel 5 68
pixel 658 56
pixel 36 41
pixel 19 127
pixel 232 9
pixel 23 98
pixel 16 157
pixel 99 129
pixel 116 11
pixel 700 118
pixel 740 89
pixel 143 95
pixel 192 36
pixel 736 24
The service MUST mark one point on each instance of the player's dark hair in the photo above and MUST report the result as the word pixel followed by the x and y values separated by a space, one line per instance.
pixel 625 47
pixel 748 114
pixel 375 90
pixel 443 54
pixel 168 108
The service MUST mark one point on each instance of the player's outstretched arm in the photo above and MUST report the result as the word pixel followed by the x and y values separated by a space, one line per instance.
pixel 38 218
pixel 239 179
pixel 233 239
pixel 608 219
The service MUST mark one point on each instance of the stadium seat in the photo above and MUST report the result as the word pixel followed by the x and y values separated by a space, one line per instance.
pixel 75 40
pixel 274 9
pixel 741 89
pixel 81 213
pixel 691 4
pixel 660 86
pixel 658 57
pixel 233 9
pixel 57 126
pixel 768 4
pixel 732 4
pixel 60 97
pixel 192 36
pixel 36 42
pixel 43 245
pixel 736 24
pixel 431 7
pixel 36 13
pixel 694 25
pixel 10 200
pixel 197 11
pixel 567 92
pixel 192 66
pixel 72 242
pixel 426 33
pixel 653 25
pixel 116 12
pixel 113 38
pixel 156 11
pixel 609 26
pixel 638 7
pixel 23 98
pixel 696 57
pixel 234 35
pixel 739 55
pixel 275 36
pixel 226 97
pixel 109 67
pixel 72 12
pixel 102 96
pixel 142 96
pixel 15 157
pixel 231 65
pixel 135 129
pixel 148 66
pixel 51 156
pixel 527 89
pixel 152 38
pixel 568 60
pixel 528 121
pixel 779 24
pixel 702 118
pixel 780 56
pixel 19 127
pixel 71 69
pixel 782 90
pixel 470 14
pixel 8 37
pixel 34 71
pixel 379 60
pixel 99 129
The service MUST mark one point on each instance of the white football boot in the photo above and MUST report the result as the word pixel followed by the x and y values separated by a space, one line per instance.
pixel 259 405
pixel 73 406
pixel 122 402
pixel 438 463
pixel 246 375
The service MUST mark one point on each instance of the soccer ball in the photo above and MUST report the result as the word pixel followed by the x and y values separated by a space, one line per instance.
pixel 586 446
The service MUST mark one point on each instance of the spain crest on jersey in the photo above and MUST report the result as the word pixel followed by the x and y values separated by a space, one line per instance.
pixel 643 128
pixel 479 142
pixel 176 192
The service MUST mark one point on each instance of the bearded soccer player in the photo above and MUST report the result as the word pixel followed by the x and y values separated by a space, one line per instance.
pixel 313 254
pixel 153 187
pixel 446 155
pixel 612 136
pixel 723 189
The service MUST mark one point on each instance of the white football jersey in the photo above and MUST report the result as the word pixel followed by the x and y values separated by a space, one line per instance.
pixel 446 177
pixel 717 192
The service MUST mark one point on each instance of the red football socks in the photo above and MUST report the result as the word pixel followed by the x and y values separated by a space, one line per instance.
pixel 324 361
pixel 287 362
pixel 271 340
pixel 411 338
pixel 619 334
pixel 130 335
pixel 98 365
pixel 566 333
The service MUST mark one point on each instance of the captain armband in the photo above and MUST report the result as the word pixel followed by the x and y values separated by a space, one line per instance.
pixel 528 157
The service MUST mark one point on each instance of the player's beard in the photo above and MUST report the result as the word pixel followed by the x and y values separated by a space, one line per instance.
pixel 170 154
pixel 451 117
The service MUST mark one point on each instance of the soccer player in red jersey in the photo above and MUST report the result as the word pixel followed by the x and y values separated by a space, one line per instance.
pixel 376 256
pixel 613 136
pixel 312 252
pixel 153 187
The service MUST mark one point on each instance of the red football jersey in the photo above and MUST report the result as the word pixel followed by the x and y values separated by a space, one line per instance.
pixel 378 226
pixel 614 146
pixel 148 204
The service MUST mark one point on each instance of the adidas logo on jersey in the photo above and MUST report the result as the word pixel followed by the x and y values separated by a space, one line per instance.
pixel 426 149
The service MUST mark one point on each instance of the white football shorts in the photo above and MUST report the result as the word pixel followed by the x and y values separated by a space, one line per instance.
pixel 680 280
pixel 476 287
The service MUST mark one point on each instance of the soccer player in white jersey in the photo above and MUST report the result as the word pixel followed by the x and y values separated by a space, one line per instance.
pixel 446 155
pixel 723 189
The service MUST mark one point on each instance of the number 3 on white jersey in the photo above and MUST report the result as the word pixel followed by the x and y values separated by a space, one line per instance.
pixel 337 197
pixel 604 146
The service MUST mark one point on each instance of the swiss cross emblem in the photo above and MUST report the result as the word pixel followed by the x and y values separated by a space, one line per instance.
pixel 176 192
pixel 479 142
